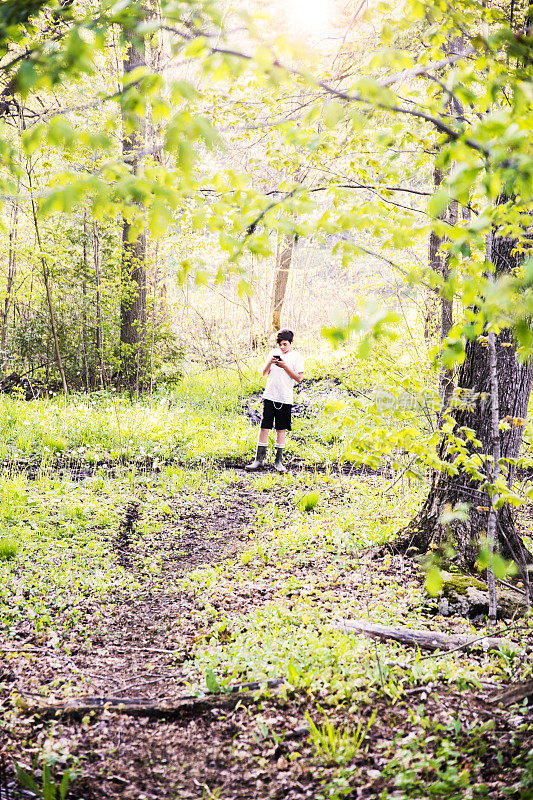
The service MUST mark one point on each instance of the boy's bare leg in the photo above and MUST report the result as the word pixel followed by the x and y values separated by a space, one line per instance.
pixel 280 438
pixel 263 436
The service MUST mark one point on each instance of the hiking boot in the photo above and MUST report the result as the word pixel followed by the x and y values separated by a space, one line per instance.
pixel 278 463
pixel 257 463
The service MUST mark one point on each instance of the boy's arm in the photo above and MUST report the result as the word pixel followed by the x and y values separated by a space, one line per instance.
pixel 266 368
pixel 296 376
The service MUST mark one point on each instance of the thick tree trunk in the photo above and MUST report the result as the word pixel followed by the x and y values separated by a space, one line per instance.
pixel 474 412
pixel 133 301
pixel 281 277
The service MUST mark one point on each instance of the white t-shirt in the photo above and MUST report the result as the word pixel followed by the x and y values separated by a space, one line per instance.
pixel 279 385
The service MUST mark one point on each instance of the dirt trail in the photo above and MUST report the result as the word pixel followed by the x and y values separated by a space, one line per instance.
pixel 140 645
pixel 138 649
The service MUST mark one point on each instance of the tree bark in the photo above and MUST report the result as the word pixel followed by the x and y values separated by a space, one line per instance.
pixel 423 639
pixel 281 277
pixel 495 471
pixel 439 315
pixel 84 307
pixel 99 326
pixel 46 278
pixel 11 272
pixel 475 413
pixel 133 300
pixel 439 262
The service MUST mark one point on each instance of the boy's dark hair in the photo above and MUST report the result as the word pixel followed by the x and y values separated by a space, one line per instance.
pixel 285 336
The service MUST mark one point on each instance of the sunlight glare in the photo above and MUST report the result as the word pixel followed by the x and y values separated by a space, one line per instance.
pixel 309 16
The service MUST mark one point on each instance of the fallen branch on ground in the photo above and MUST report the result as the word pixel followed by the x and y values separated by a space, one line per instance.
pixel 117 648
pixel 184 708
pixel 425 640
pixel 513 694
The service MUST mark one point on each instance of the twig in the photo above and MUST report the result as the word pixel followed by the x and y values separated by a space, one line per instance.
pixel 395 481
pixel 514 588
pixel 253 225
pixel 407 665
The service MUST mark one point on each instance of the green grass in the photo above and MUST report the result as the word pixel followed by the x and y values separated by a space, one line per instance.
pixel 65 563
pixel 270 610
pixel 314 568
pixel 338 745
pixel 200 420
pixel 8 549
pixel 317 574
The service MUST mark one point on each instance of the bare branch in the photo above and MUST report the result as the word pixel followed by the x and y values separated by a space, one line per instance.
pixel 425 69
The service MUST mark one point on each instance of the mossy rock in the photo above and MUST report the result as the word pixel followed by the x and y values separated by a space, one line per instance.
pixel 465 596
pixel 460 584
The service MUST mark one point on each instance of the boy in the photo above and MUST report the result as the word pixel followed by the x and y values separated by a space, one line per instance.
pixel 284 368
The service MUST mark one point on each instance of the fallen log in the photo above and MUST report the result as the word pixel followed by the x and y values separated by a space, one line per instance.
pixel 425 640
pixel 513 694
pixel 185 708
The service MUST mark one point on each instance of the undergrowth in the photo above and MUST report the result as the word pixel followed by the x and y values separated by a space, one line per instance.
pixel 314 552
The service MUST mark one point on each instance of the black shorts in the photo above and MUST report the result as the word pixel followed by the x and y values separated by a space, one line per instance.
pixel 276 415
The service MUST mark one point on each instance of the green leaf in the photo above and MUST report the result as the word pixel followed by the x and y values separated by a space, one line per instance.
pixel 32 138
pixel 292 674
pixel 453 353
pixel 434 581
pixel 309 501
pixel 61 133
pixel 365 347
pixel 183 90
pixel 159 218
pixel 204 130
pixel 438 202
pixel 26 78
pixel 332 112
pixel 502 568
pixel 63 786
pixel 201 277
pixel 197 47
pixel 185 155
pixel 211 682
pixel 26 780
pixel 49 789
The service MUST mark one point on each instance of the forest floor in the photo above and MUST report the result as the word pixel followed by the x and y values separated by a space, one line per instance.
pixel 145 588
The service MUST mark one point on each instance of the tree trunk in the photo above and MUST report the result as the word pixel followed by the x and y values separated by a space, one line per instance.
pixel 84 305
pixel 281 276
pixel 99 328
pixel 46 274
pixel 11 272
pixel 492 534
pixel 133 300
pixel 48 290
pixel 514 389
pixel 439 262
pixel 439 315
